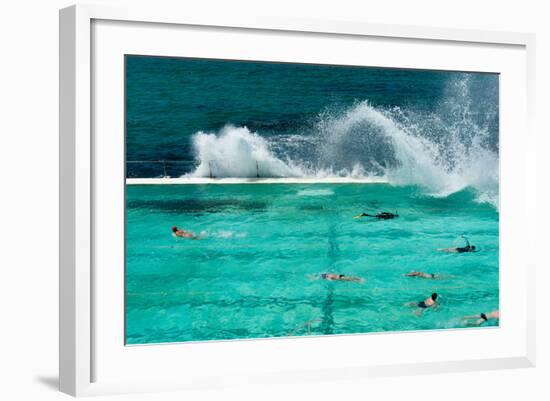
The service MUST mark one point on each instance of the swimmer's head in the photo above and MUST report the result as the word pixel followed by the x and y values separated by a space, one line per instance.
pixel 434 296
pixel 341 275
pixel 473 248
pixel 174 229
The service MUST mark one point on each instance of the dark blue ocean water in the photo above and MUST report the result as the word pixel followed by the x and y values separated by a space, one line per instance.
pixel 168 100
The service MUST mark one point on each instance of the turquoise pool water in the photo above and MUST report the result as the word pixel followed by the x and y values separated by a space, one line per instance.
pixel 255 271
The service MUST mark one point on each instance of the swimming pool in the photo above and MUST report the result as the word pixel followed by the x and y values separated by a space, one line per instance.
pixel 255 271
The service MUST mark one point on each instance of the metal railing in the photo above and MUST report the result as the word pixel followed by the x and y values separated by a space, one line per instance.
pixel 164 163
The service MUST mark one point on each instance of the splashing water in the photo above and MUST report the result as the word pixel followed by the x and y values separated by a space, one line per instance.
pixel 237 152
pixel 399 152
pixel 442 152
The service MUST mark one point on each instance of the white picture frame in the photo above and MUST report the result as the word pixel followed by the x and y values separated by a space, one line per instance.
pixel 82 158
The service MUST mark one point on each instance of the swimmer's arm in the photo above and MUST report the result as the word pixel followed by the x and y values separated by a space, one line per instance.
pixel 471 317
pixel 478 320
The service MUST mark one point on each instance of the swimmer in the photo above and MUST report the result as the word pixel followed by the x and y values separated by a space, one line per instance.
pixel 341 277
pixel 478 320
pixel 379 216
pixel 183 233
pixel 463 249
pixel 420 274
pixel 429 302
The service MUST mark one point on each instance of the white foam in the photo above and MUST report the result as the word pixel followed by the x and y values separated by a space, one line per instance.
pixel 224 234
pixel 237 152
pixel 315 192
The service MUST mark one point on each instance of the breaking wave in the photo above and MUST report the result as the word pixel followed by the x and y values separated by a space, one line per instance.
pixel 442 152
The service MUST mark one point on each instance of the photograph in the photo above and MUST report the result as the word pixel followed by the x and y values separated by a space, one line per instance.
pixel 279 200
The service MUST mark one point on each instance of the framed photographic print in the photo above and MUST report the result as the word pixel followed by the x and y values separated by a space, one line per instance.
pixel 278 200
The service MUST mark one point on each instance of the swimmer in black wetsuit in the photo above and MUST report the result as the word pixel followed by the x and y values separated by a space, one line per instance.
pixel 379 216
pixel 463 249
pixel 429 302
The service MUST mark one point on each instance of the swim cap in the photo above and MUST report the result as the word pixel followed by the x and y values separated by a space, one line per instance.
pixel 174 228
